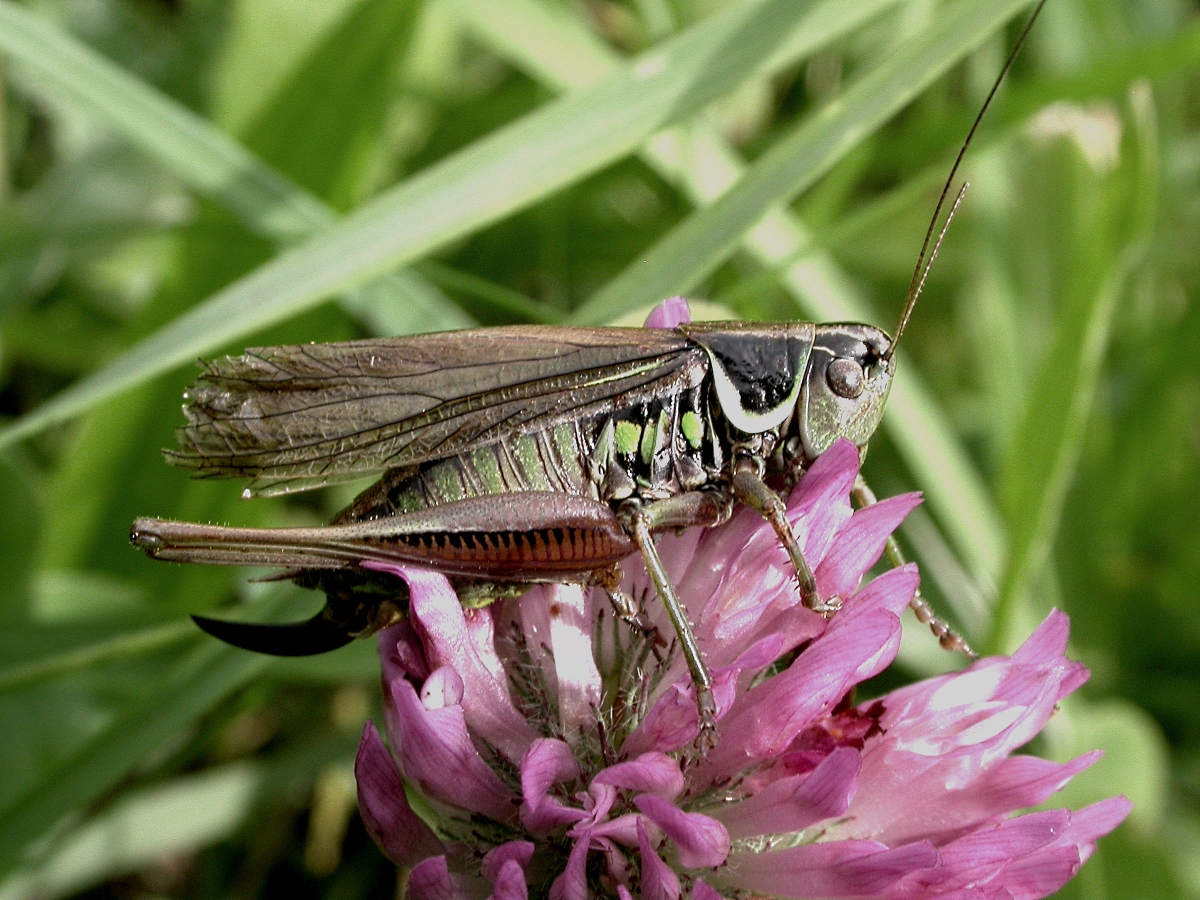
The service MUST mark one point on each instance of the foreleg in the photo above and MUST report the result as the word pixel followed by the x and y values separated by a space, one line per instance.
pixel 749 488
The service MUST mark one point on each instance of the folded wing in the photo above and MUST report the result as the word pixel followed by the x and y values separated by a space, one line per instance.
pixel 295 417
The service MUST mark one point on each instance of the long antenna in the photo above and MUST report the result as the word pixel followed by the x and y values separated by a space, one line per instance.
pixel 921 272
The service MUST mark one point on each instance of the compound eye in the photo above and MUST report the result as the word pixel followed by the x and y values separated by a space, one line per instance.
pixel 845 378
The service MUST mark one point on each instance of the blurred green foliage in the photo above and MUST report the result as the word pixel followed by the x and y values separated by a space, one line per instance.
pixel 187 177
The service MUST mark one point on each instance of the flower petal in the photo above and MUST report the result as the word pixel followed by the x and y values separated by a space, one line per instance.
pixel 617 865
pixel 1018 782
pixel 673 721
pixel 701 840
pixel 762 653
pixel 599 800
pixel 1048 640
pixel 547 762
pixel 572 883
pixel 794 803
pixel 556 623
pixel 509 883
pixel 860 543
pixel 622 829
pixel 702 891
pixel 442 624
pixel 1023 781
pixel 834 869
pixel 942 734
pixel 575 669
pixel 401 653
pixel 980 851
pixel 1039 874
pixel 399 832
pixel 436 753
pixel 430 880
pixel 658 881
pixel 886 596
pixel 890 592
pixel 441 689
pixel 1091 823
pixel 1044 869
pixel 768 717
pixel 650 773
pixel 671 313
pixel 520 852
pixel 1026 858
pixel 820 503
pixel 743 571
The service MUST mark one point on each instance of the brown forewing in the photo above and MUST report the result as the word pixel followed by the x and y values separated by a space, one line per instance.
pixel 295 417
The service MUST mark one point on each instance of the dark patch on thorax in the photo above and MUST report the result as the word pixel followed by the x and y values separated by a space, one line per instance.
pixel 763 363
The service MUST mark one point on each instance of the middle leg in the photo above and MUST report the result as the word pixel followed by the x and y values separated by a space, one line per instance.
pixel 686 510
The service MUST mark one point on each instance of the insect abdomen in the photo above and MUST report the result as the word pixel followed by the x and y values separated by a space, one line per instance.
pixel 535 555
pixel 544 461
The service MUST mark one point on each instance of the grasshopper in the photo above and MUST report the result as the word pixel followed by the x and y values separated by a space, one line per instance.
pixel 513 456
pixel 518 455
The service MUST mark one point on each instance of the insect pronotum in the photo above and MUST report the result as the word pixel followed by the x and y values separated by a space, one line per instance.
pixel 512 456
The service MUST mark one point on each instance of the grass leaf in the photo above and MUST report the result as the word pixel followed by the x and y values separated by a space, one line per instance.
pixel 204 158
pixel 57 663
pixel 508 170
pixel 1047 441
pixel 193 150
pixel 171 706
pixel 706 239
pixel 181 816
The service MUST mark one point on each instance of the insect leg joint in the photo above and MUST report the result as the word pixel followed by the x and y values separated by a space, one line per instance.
pixel 749 488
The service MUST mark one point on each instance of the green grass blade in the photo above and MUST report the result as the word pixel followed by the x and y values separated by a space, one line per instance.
pixel 508 170
pixel 558 51
pixel 1047 442
pixel 704 240
pixel 122 646
pixel 194 688
pixel 501 299
pixel 176 818
pixel 207 160
pixel 117 751
pixel 942 469
pixel 193 150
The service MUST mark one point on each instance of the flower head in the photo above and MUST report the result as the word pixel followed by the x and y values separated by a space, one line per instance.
pixel 554 744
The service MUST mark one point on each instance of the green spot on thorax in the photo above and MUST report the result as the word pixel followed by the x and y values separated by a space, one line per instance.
pixel 627 435
pixel 693 429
